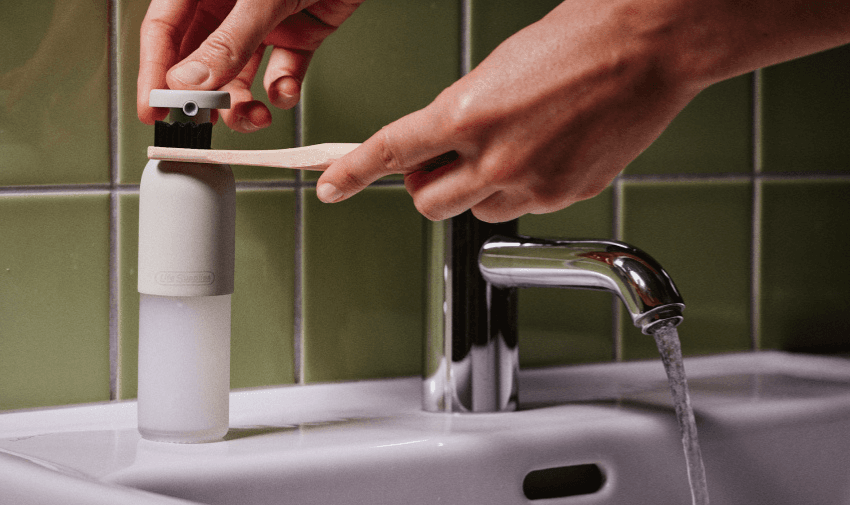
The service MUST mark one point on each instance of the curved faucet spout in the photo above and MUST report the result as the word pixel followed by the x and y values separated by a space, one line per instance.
pixel 472 349
pixel 645 288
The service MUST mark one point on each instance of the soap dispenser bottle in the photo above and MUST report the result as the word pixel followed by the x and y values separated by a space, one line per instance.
pixel 186 267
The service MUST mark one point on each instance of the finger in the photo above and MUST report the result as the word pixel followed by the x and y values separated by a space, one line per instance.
pixel 204 23
pixel 446 191
pixel 517 200
pixel 246 114
pixel 223 54
pixel 500 207
pixel 305 30
pixel 295 39
pixel 284 74
pixel 398 148
pixel 161 35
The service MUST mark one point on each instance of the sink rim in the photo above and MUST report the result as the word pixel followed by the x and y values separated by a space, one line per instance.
pixel 386 415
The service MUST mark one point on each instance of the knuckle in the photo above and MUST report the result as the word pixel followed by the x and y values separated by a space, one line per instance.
pixel 552 197
pixel 153 25
pixel 351 182
pixel 549 206
pixel 221 46
pixel 457 121
pixel 499 207
pixel 389 157
pixel 430 208
pixel 550 201
pixel 545 197
pixel 428 211
pixel 545 194
pixel 484 214
pixel 161 27
pixel 466 112
pixel 497 212
pixel 461 120
pixel 497 172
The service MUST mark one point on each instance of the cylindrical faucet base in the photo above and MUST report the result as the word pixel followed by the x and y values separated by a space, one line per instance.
pixel 184 367
pixel 471 363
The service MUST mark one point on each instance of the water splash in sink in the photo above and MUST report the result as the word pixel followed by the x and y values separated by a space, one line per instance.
pixel 667 339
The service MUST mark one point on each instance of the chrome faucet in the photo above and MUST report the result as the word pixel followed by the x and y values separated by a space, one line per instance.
pixel 472 365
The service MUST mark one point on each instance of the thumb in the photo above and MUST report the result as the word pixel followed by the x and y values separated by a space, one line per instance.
pixel 402 147
pixel 226 51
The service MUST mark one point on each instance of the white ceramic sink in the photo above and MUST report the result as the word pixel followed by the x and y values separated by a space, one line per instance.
pixel 774 427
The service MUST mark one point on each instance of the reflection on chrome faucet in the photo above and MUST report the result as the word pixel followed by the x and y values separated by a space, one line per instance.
pixel 478 371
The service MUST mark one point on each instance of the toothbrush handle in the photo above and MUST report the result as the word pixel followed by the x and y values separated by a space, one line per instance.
pixel 315 157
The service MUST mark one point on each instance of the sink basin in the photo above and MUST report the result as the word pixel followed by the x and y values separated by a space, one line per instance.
pixel 774 428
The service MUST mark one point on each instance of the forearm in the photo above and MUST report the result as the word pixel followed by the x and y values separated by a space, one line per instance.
pixel 700 42
pixel 781 30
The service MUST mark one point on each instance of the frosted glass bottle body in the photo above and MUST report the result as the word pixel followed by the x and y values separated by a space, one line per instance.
pixel 184 367
pixel 186 262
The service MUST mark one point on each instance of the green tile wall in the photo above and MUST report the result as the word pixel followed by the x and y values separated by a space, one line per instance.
pixel 363 287
pixel 54 125
pixel 743 199
pixel 805 105
pixel 389 59
pixel 700 232
pixel 712 135
pixel 54 299
pixel 804 284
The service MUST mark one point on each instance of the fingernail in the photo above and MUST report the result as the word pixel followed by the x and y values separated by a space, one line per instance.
pixel 287 86
pixel 285 92
pixel 328 193
pixel 192 73
pixel 248 125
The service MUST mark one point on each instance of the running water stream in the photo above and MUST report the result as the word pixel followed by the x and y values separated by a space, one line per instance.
pixel 667 339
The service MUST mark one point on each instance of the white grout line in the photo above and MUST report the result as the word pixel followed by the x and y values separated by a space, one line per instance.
pixel 266 185
pixel 298 279
pixel 89 189
pixel 757 218
pixel 465 37
pixel 57 190
pixel 716 178
pixel 103 189
pixel 114 322
pixel 114 214
pixel 758 117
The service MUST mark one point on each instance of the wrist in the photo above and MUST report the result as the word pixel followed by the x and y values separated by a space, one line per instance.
pixel 692 44
pixel 700 42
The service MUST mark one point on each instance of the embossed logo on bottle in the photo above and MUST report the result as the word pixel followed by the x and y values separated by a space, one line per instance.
pixel 184 278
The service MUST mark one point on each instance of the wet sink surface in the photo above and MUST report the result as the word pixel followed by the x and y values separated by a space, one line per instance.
pixel 775 428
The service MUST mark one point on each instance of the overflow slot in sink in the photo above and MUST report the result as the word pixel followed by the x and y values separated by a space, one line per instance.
pixel 563 481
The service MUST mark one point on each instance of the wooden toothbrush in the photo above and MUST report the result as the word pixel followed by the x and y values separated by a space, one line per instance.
pixel 315 157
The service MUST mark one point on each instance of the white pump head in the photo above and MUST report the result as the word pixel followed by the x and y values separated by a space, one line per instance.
pixel 193 104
